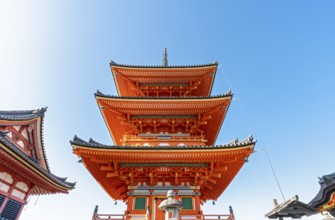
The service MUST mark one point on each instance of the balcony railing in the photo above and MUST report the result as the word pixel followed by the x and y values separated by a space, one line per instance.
pixel 97 216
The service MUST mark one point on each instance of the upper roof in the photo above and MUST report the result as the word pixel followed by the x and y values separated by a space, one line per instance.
pixel 14 123
pixel 116 109
pixel 112 63
pixel 128 78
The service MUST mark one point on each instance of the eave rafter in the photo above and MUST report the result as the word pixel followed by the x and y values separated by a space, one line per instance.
pixel 171 124
pixel 200 175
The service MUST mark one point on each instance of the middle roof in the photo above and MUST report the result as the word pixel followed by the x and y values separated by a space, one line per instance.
pixel 118 112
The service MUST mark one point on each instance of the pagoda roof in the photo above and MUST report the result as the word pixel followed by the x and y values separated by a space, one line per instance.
pixel 127 77
pixel 112 63
pixel 14 156
pixel 233 155
pixel 113 108
pixel 91 143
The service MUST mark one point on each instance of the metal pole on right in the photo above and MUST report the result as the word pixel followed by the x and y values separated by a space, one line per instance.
pixel 95 212
pixel 231 212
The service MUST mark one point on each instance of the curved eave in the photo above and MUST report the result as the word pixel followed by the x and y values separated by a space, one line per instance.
pixel 18 157
pixel 95 147
pixel 325 194
pixel 112 106
pixel 22 115
pixel 100 95
pixel 113 64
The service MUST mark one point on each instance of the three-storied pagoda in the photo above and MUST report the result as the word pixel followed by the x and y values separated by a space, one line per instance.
pixel 164 124
pixel 24 169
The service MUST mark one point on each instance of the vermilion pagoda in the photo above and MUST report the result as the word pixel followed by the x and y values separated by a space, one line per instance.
pixel 24 170
pixel 164 124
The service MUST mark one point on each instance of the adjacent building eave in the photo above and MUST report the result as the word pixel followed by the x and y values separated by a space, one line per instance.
pixel 327 189
pixel 22 115
pixel 29 116
pixel 19 157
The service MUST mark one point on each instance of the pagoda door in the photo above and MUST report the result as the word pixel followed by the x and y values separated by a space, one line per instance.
pixel 159 214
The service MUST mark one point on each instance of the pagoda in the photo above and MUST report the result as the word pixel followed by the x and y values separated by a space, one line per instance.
pixel 24 169
pixel 164 125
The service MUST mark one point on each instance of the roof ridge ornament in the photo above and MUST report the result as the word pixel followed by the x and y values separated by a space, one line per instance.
pixel 165 59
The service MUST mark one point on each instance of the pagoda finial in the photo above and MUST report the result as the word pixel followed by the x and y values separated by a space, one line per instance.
pixel 165 60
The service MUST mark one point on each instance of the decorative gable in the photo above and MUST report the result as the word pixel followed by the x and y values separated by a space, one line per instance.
pixel 24 130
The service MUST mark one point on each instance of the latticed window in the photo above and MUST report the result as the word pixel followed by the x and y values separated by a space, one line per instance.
pixel 187 202
pixel 11 210
pixel 140 203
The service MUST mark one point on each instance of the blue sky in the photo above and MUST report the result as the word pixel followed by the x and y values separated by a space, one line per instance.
pixel 277 57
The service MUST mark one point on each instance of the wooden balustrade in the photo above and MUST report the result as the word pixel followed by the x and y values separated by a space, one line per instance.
pixel 143 217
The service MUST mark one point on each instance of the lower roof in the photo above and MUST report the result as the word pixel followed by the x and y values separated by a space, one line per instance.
pixel 227 159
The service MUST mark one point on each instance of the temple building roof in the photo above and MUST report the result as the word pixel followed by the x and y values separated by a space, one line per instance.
pixel 291 208
pixel 323 201
pixel 211 168
pixel 22 150
pixel 204 115
pixel 132 80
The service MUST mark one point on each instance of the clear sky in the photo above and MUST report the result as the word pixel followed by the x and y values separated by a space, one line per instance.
pixel 277 56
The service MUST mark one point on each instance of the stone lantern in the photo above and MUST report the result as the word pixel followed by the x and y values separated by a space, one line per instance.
pixel 171 205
